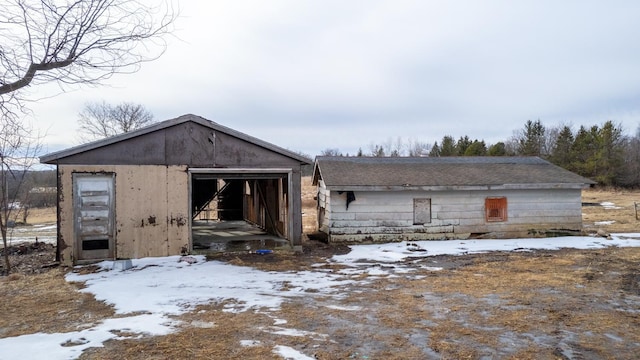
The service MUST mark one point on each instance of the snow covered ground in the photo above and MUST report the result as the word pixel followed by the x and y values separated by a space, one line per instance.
pixel 156 288
pixel 43 232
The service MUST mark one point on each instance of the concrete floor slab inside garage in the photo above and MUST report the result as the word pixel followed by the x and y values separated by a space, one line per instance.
pixel 234 212
pixel 233 236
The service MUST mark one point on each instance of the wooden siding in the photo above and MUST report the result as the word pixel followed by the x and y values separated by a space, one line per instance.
pixel 324 207
pixel 185 143
pixel 151 214
pixel 385 216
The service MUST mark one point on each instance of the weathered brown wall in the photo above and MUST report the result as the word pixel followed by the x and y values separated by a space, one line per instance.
pixel 151 209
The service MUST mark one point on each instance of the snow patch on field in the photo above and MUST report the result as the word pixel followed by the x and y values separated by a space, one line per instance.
pixel 394 252
pixel 290 353
pixel 602 223
pixel 45 233
pixel 609 205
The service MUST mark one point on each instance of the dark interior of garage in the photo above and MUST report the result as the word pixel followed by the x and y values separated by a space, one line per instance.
pixel 239 212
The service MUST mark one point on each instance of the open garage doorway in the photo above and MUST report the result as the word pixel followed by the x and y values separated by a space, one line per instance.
pixel 240 209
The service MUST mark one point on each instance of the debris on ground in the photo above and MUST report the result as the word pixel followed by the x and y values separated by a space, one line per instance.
pixel 30 258
pixel 188 259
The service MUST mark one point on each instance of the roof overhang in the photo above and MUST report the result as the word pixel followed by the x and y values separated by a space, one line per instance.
pixel 409 187
pixel 239 173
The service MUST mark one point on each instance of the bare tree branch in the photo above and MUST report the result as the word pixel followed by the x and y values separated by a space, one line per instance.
pixel 101 120
pixel 77 42
pixel 19 148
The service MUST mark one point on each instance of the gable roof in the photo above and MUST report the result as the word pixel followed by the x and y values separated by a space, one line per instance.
pixel 394 173
pixel 52 157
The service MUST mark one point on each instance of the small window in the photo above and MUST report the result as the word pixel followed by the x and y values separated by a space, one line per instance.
pixel 495 209
pixel 421 211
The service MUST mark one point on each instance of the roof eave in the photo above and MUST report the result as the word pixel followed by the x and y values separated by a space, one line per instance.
pixel 408 187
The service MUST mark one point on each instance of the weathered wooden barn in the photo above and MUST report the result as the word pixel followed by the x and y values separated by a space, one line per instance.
pixel 174 187
pixel 365 199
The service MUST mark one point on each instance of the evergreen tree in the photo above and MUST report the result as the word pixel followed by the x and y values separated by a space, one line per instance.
pixel 497 149
pixel 609 153
pixel 448 147
pixel 462 145
pixel 435 150
pixel 531 140
pixel 583 152
pixel 561 153
pixel 477 148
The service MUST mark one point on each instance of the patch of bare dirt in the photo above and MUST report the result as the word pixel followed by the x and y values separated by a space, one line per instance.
pixel 313 252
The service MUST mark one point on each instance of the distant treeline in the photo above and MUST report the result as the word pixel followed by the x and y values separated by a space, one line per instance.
pixel 32 189
pixel 602 153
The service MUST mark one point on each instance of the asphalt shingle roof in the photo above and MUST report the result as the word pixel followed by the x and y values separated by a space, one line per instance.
pixel 442 171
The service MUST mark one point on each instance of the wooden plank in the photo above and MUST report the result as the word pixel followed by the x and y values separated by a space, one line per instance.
pixel 343 216
pixel 377 208
pixel 393 230
pixel 405 216
pixel 542 213
pixel 144 225
pixel 372 216
pixel 554 221
pixel 380 238
pixel 178 210
pixel 369 223
pixel 144 222
pixel 441 215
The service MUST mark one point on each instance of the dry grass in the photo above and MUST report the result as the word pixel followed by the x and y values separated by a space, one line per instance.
pixel 208 333
pixel 309 209
pixel 40 215
pixel 46 303
pixel 624 215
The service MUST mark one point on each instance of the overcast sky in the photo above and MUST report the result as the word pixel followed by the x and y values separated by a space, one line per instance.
pixel 310 75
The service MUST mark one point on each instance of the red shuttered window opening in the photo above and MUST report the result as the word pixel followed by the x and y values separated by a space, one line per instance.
pixel 495 209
